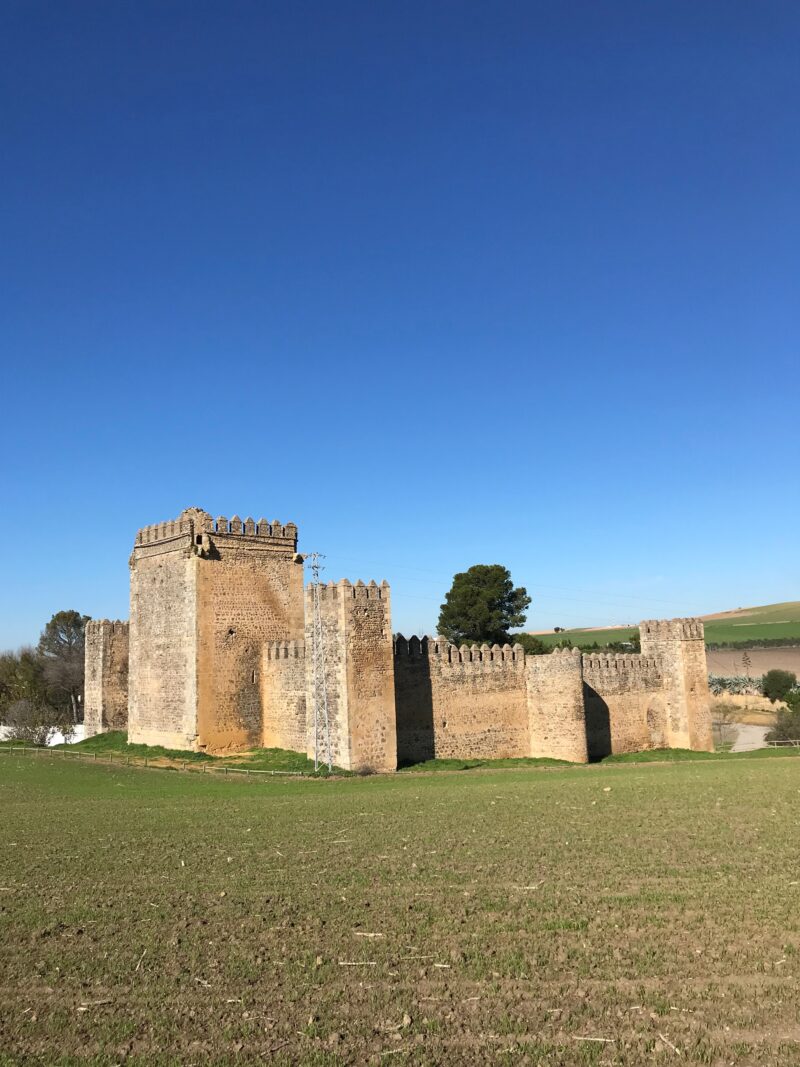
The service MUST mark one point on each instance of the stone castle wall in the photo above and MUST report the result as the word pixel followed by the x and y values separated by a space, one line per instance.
pixel 359 674
pixel 105 701
pixel 624 703
pixel 162 698
pixel 221 658
pixel 283 695
pixel 556 712
pixel 464 703
pixel 249 593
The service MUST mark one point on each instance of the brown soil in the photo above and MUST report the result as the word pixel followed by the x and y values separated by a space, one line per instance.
pixel 729 661
pixel 621 916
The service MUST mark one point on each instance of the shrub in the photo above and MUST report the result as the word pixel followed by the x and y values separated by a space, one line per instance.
pixel 737 684
pixel 787 726
pixel 34 721
pixel 533 646
pixel 777 684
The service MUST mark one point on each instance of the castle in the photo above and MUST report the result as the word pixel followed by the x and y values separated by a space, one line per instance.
pixel 218 656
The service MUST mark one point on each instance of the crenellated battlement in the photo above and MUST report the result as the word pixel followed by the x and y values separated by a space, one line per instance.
pixel 110 626
pixel 345 590
pixel 690 629
pixel 250 528
pixel 194 521
pixel 275 650
pixel 623 662
pixel 163 531
pixel 441 649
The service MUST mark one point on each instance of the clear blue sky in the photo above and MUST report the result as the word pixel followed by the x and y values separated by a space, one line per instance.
pixel 442 283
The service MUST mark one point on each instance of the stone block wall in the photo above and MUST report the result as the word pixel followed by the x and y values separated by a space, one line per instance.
pixel 679 647
pixel 555 704
pixel 463 703
pixel 283 695
pixel 493 703
pixel 162 704
pixel 249 593
pixel 105 702
pixel 624 703
pixel 359 673
pixel 206 597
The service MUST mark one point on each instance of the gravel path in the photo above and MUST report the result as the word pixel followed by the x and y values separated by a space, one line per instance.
pixel 748 737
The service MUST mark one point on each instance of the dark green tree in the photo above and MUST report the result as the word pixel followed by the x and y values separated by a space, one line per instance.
pixel 776 684
pixel 61 648
pixel 483 605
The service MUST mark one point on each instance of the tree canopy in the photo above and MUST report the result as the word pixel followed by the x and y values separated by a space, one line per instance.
pixel 61 649
pixel 483 605
pixel 776 684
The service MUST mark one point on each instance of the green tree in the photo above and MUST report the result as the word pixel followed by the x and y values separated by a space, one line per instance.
pixel 21 678
pixel 533 646
pixel 61 648
pixel 776 684
pixel 482 605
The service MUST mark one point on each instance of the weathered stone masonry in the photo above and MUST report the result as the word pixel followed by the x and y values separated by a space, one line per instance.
pixel 454 702
pixel 207 596
pixel 105 700
pixel 359 671
pixel 220 658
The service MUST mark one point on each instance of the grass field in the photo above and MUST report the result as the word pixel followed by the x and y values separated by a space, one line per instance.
pixel 622 914
pixel 115 742
pixel 751 624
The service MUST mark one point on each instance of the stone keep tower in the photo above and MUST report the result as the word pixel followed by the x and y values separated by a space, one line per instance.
pixel 206 597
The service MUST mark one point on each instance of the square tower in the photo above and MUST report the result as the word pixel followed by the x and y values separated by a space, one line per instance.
pixel 206 595
pixel 359 670
pixel 105 704
pixel 679 647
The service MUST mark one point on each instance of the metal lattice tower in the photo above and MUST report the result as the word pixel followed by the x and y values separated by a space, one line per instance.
pixel 319 681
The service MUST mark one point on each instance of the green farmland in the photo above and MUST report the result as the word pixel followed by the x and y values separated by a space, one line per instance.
pixel 624 915
pixel 771 622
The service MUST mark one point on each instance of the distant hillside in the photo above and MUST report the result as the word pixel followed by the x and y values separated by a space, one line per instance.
pixel 769 622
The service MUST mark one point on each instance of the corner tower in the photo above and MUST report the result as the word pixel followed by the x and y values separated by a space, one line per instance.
pixel 679 647
pixel 206 595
